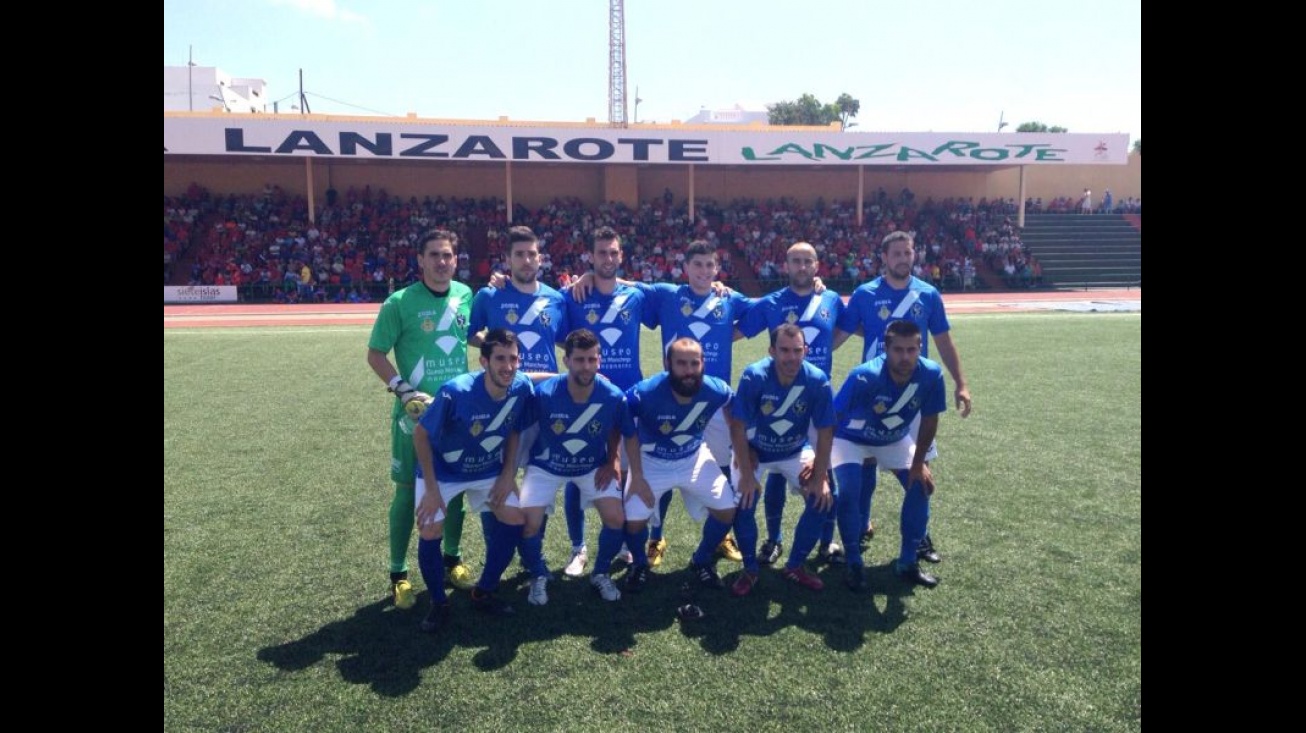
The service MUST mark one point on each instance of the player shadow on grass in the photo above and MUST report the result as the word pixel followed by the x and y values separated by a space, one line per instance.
pixel 842 617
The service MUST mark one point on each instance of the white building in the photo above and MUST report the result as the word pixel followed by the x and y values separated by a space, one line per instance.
pixel 208 88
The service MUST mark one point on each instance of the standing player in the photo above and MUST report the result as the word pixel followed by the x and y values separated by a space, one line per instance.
pixel 876 407
pixel 666 418
pixel 897 294
pixel 613 310
pixel 580 415
pixel 816 313
pixel 529 309
pixel 466 443
pixel 697 312
pixel 780 398
pixel 426 326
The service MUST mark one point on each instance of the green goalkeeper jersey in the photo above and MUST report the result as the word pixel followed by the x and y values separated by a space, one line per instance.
pixel 428 334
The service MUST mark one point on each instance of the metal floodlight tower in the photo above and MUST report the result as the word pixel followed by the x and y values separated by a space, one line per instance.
pixel 617 63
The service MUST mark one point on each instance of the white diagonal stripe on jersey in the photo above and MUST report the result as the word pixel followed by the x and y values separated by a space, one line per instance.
pixel 614 309
pixel 584 418
pixel 750 433
pixel 780 427
pixel 419 371
pixel 533 312
pixel 794 391
pixel 575 445
pixel 698 328
pixel 452 456
pixel 528 339
pixel 707 306
pixel 503 414
pixel 689 419
pixel 611 335
pixel 490 443
pixel 810 311
pixel 450 313
pixel 872 350
pixel 907 302
pixel 906 396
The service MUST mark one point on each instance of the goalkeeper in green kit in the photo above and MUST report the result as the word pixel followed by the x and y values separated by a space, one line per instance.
pixel 426 326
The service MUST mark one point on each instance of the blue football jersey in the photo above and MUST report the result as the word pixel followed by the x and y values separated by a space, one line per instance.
pixel 573 437
pixel 666 428
pixel 615 319
pixel 815 314
pixel 874 305
pixel 535 318
pixel 709 319
pixel 778 415
pixel 467 427
pixel 873 410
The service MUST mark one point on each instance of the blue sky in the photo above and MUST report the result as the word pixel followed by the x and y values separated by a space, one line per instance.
pixel 927 65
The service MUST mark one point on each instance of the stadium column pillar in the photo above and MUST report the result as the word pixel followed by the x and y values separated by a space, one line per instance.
pixel 308 186
pixel 1020 215
pixel 861 191
pixel 692 218
pixel 507 182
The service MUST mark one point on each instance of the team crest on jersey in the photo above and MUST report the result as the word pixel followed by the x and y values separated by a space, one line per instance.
pixel 461 319
pixel 511 317
pixel 768 407
pixel 917 310
pixel 879 408
pixel 665 428
pixel 558 427
pixel 545 318
pixel 823 314
pixel 800 407
pixel 915 403
pixel 477 428
pixel 701 423
pixel 592 317
pixel 625 316
pixel 884 312
pixel 686 308
pixel 428 325
pixel 791 317
pixel 719 312
pixel 595 427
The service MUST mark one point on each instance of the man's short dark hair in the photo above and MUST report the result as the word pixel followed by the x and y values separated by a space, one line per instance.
pixel 435 235
pixel 898 236
pixel 699 247
pixel 605 234
pixel 788 329
pixel 520 234
pixel 497 337
pixel 903 328
pixel 581 338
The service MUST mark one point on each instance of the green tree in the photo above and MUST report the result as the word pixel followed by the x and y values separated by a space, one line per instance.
pixel 808 110
pixel 1138 146
pixel 1039 127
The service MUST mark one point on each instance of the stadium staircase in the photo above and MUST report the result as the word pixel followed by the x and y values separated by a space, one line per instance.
pixel 1085 250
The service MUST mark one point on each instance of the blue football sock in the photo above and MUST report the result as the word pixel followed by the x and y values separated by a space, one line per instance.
pixel 915 518
pixel 431 563
pixel 869 475
pixel 575 515
pixel 655 533
pixel 714 530
pixel 745 526
pixel 806 532
pixel 636 542
pixel 773 498
pixel 609 545
pixel 848 479
pixel 498 553
pixel 532 554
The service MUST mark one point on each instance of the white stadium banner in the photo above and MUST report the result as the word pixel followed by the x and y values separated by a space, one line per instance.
pixel 414 139
pixel 199 293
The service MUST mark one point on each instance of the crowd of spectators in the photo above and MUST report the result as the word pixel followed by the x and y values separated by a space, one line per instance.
pixel 362 243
